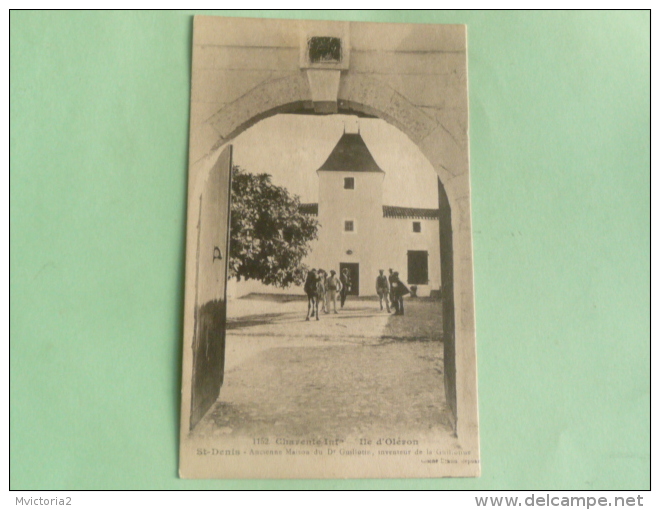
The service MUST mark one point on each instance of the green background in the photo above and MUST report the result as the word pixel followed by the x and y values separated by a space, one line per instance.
pixel 560 161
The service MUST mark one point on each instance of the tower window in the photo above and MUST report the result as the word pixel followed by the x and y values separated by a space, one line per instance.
pixel 417 226
pixel 349 183
pixel 349 226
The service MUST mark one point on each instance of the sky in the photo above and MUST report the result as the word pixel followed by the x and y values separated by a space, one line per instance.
pixel 292 147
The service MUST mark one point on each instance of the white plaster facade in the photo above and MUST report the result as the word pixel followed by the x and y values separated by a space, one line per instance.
pixel 376 241
pixel 381 237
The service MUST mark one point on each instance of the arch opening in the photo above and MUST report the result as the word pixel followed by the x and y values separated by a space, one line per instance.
pixel 445 238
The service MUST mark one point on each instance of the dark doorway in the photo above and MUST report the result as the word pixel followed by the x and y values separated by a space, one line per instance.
pixel 354 273
pixel 418 267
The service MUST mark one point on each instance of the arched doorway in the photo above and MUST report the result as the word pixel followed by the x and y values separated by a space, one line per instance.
pixel 366 97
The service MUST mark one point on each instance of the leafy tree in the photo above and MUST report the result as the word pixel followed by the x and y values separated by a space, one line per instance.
pixel 269 235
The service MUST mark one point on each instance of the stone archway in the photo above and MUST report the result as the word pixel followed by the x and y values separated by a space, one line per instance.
pixel 368 96
pixel 412 76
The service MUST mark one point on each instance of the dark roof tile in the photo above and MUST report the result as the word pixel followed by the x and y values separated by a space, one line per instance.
pixel 309 209
pixel 391 211
pixel 350 155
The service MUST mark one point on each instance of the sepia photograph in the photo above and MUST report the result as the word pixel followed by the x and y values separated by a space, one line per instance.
pixel 329 321
pixel 329 250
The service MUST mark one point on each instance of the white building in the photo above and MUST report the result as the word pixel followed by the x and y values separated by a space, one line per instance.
pixel 361 233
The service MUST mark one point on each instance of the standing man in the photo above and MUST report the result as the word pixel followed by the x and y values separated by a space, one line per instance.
pixel 323 289
pixel 383 290
pixel 345 285
pixel 333 284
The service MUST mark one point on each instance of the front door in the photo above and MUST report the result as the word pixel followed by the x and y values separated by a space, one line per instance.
pixel 418 267
pixel 354 273
pixel 211 288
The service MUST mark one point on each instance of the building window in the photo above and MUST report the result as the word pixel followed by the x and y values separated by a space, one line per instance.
pixel 417 226
pixel 349 226
pixel 349 183
pixel 418 267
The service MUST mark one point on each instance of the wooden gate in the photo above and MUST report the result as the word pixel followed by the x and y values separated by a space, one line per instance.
pixel 211 288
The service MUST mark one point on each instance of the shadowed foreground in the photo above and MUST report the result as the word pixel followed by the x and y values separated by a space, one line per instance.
pixel 359 371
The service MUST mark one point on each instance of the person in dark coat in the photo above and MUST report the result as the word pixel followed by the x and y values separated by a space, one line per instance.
pixel 390 278
pixel 345 285
pixel 399 289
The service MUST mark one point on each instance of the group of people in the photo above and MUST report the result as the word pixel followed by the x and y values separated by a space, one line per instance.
pixel 322 288
pixel 391 290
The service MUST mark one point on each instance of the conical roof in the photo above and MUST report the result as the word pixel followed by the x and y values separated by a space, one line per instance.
pixel 350 155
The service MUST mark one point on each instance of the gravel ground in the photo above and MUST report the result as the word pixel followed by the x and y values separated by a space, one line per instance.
pixel 360 371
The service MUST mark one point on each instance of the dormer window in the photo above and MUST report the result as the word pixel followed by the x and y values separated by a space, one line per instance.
pixel 349 182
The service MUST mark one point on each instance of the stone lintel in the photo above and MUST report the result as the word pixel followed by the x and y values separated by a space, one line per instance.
pixel 324 88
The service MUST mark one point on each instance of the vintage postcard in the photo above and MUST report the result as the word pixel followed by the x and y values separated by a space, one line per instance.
pixel 329 307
